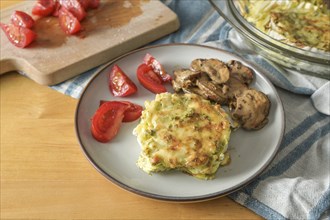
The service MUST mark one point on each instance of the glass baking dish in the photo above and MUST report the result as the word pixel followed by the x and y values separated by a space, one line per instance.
pixel 315 63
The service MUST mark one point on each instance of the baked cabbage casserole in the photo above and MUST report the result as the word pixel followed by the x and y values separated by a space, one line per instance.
pixel 183 132
pixel 302 23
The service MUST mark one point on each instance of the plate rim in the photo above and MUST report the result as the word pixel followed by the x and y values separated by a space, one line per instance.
pixel 180 199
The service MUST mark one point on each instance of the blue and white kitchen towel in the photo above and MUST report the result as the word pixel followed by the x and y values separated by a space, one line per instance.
pixel 296 184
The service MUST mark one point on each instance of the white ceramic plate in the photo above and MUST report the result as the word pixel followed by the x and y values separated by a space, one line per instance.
pixel 251 151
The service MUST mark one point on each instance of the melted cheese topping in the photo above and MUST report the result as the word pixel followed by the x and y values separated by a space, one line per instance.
pixel 183 132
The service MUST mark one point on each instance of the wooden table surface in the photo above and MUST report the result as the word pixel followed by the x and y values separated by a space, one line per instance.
pixel 44 174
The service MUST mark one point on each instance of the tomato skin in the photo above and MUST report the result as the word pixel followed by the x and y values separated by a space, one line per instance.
pixel 89 4
pixel 119 83
pixel 84 3
pixel 74 7
pixel 107 119
pixel 57 8
pixel 157 67
pixel 68 22
pixel 149 79
pixel 43 8
pixel 18 36
pixel 93 4
pixel 20 18
pixel 133 112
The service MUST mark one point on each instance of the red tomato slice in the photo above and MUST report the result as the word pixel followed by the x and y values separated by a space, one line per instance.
pixel 107 120
pixel 68 22
pixel 84 4
pixel 157 67
pixel 19 36
pixel 119 83
pixel 133 113
pixel 93 4
pixel 74 7
pixel 87 4
pixel 20 18
pixel 57 8
pixel 149 79
pixel 43 8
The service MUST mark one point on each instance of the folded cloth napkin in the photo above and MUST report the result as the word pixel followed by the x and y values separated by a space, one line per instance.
pixel 296 184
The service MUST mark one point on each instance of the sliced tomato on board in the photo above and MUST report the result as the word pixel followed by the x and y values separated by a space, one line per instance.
pixel 19 36
pixel 84 4
pixel 20 18
pixel 57 8
pixel 149 79
pixel 133 113
pixel 107 120
pixel 68 22
pixel 74 7
pixel 93 4
pixel 119 83
pixel 157 67
pixel 43 8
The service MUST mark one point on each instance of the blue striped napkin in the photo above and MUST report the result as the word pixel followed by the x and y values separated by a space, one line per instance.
pixel 296 184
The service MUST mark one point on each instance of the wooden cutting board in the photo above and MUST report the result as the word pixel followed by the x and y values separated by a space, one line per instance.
pixel 113 29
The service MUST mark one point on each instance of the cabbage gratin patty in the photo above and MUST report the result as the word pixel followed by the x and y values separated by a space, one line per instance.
pixel 183 132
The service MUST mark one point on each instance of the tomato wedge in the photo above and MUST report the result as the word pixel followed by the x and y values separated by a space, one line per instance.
pixel 107 120
pixel 93 4
pixel 157 67
pixel 43 8
pixel 149 79
pixel 20 18
pixel 84 3
pixel 74 7
pixel 19 36
pixel 119 83
pixel 133 113
pixel 68 22
pixel 56 10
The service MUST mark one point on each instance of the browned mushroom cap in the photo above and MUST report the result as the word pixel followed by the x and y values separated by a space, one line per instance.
pixel 212 91
pixel 214 68
pixel 185 77
pixel 250 109
pixel 234 87
pixel 240 71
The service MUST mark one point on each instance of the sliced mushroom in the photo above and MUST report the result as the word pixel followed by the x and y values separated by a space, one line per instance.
pixel 234 87
pixel 214 68
pixel 240 71
pixel 211 91
pixel 250 109
pixel 185 77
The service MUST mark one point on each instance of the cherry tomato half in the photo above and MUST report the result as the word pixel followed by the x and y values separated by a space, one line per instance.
pixel 149 79
pixel 19 36
pixel 68 22
pixel 133 113
pixel 107 120
pixel 43 8
pixel 74 7
pixel 157 67
pixel 20 18
pixel 119 83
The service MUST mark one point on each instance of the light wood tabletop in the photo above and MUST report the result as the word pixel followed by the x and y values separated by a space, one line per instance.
pixel 45 175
